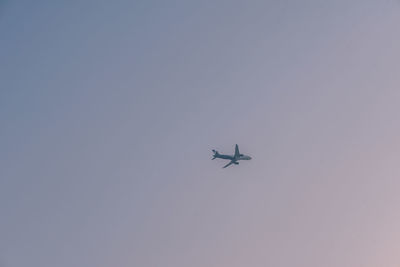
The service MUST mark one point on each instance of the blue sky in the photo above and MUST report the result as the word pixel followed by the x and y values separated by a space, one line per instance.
pixel 109 112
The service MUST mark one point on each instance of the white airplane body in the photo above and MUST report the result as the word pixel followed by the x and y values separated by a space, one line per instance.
pixel 233 159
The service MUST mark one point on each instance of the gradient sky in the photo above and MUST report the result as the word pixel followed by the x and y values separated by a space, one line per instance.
pixel 109 111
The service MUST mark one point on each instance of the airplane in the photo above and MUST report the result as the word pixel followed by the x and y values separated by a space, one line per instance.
pixel 233 159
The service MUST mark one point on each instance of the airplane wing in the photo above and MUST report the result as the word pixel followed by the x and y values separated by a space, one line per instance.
pixel 237 154
pixel 228 164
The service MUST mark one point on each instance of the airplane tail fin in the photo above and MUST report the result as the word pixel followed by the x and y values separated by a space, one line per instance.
pixel 215 154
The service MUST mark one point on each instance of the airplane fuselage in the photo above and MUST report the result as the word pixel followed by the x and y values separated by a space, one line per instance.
pixel 222 156
pixel 230 157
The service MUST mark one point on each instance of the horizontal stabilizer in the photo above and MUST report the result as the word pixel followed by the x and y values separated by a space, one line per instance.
pixel 215 154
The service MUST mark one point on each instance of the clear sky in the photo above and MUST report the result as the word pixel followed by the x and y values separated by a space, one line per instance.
pixel 109 111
